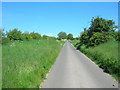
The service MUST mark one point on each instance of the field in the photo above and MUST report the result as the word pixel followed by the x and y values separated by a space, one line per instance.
pixel 106 56
pixel 25 63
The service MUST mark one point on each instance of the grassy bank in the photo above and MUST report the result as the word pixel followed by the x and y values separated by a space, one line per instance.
pixel 74 42
pixel 25 64
pixel 106 56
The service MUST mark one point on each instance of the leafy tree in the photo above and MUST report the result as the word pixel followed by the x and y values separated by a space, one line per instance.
pixel 15 34
pixel 102 25
pixel 70 36
pixel 98 32
pixel 62 35
pixel 35 35
pixel 26 36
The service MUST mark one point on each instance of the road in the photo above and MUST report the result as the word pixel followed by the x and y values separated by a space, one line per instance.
pixel 73 69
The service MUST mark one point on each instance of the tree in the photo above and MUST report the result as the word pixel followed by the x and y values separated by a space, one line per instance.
pixel 102 25
pixel 35 35
pixel 26 36
pixel 70 36
pixel 98 32
pixel 15 34
pixel 62 35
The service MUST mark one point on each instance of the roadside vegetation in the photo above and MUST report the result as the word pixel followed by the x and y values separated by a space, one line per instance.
pixel 100 43
pixel 25 64
pixel 27 58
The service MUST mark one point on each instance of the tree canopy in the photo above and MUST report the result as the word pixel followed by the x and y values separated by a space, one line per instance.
pixel 101 25
pixel 98 32
pixel 62 35
pixel 70 36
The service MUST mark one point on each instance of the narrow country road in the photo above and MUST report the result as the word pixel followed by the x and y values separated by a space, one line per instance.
pixel 73 69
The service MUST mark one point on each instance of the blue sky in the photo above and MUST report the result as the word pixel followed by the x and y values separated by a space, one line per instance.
pixel 52 17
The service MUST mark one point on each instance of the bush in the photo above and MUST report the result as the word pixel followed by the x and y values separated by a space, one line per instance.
pixel 84 39
pixel 93 39
pixel 117 36
pixel 15 34
pixel 98 38
pixel 26 36
pixel 45 37
pixel 35 35
pixel 5 40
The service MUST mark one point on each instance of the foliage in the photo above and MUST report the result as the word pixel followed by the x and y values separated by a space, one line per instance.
pixel 105 55
pixel 5 40
pixel 0 35
pixel 70 36
pixel 98 38
pixel 35 35
pixel 117 36
pixel 97 33
pixel 62 35
pixel 15 34
pixel 45 37
pixel 26 36
pixel 102 25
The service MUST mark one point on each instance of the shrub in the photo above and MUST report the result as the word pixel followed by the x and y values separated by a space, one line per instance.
pixel 117 36
pixel 26 36
pixel 45 37
pixel 93 39
pixel 5 40
pixel 15 34
pixel 35 35
pixel 84 39
pixel 98 38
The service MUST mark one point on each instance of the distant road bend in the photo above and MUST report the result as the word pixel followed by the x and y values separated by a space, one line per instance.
pixel 73 69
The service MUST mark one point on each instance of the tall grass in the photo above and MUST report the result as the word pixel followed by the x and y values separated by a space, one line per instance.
pixel 25 64
pixel 106 56
pixel 0 66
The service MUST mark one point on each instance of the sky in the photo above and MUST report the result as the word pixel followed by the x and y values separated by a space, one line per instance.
pixel 50 18
pixel 60 0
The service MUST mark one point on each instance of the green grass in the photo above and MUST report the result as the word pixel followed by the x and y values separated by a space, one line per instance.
pixel 74 42
pixel 25 64
pixel 106 56
pixel 0 67
pixel 108 50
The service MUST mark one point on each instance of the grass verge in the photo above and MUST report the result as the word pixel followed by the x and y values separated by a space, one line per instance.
pixel 25 64
pixel 106 56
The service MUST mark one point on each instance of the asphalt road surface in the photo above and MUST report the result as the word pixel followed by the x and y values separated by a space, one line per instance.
pixel 73 69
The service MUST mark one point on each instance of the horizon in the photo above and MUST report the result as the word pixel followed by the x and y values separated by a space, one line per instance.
pixel 50 18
